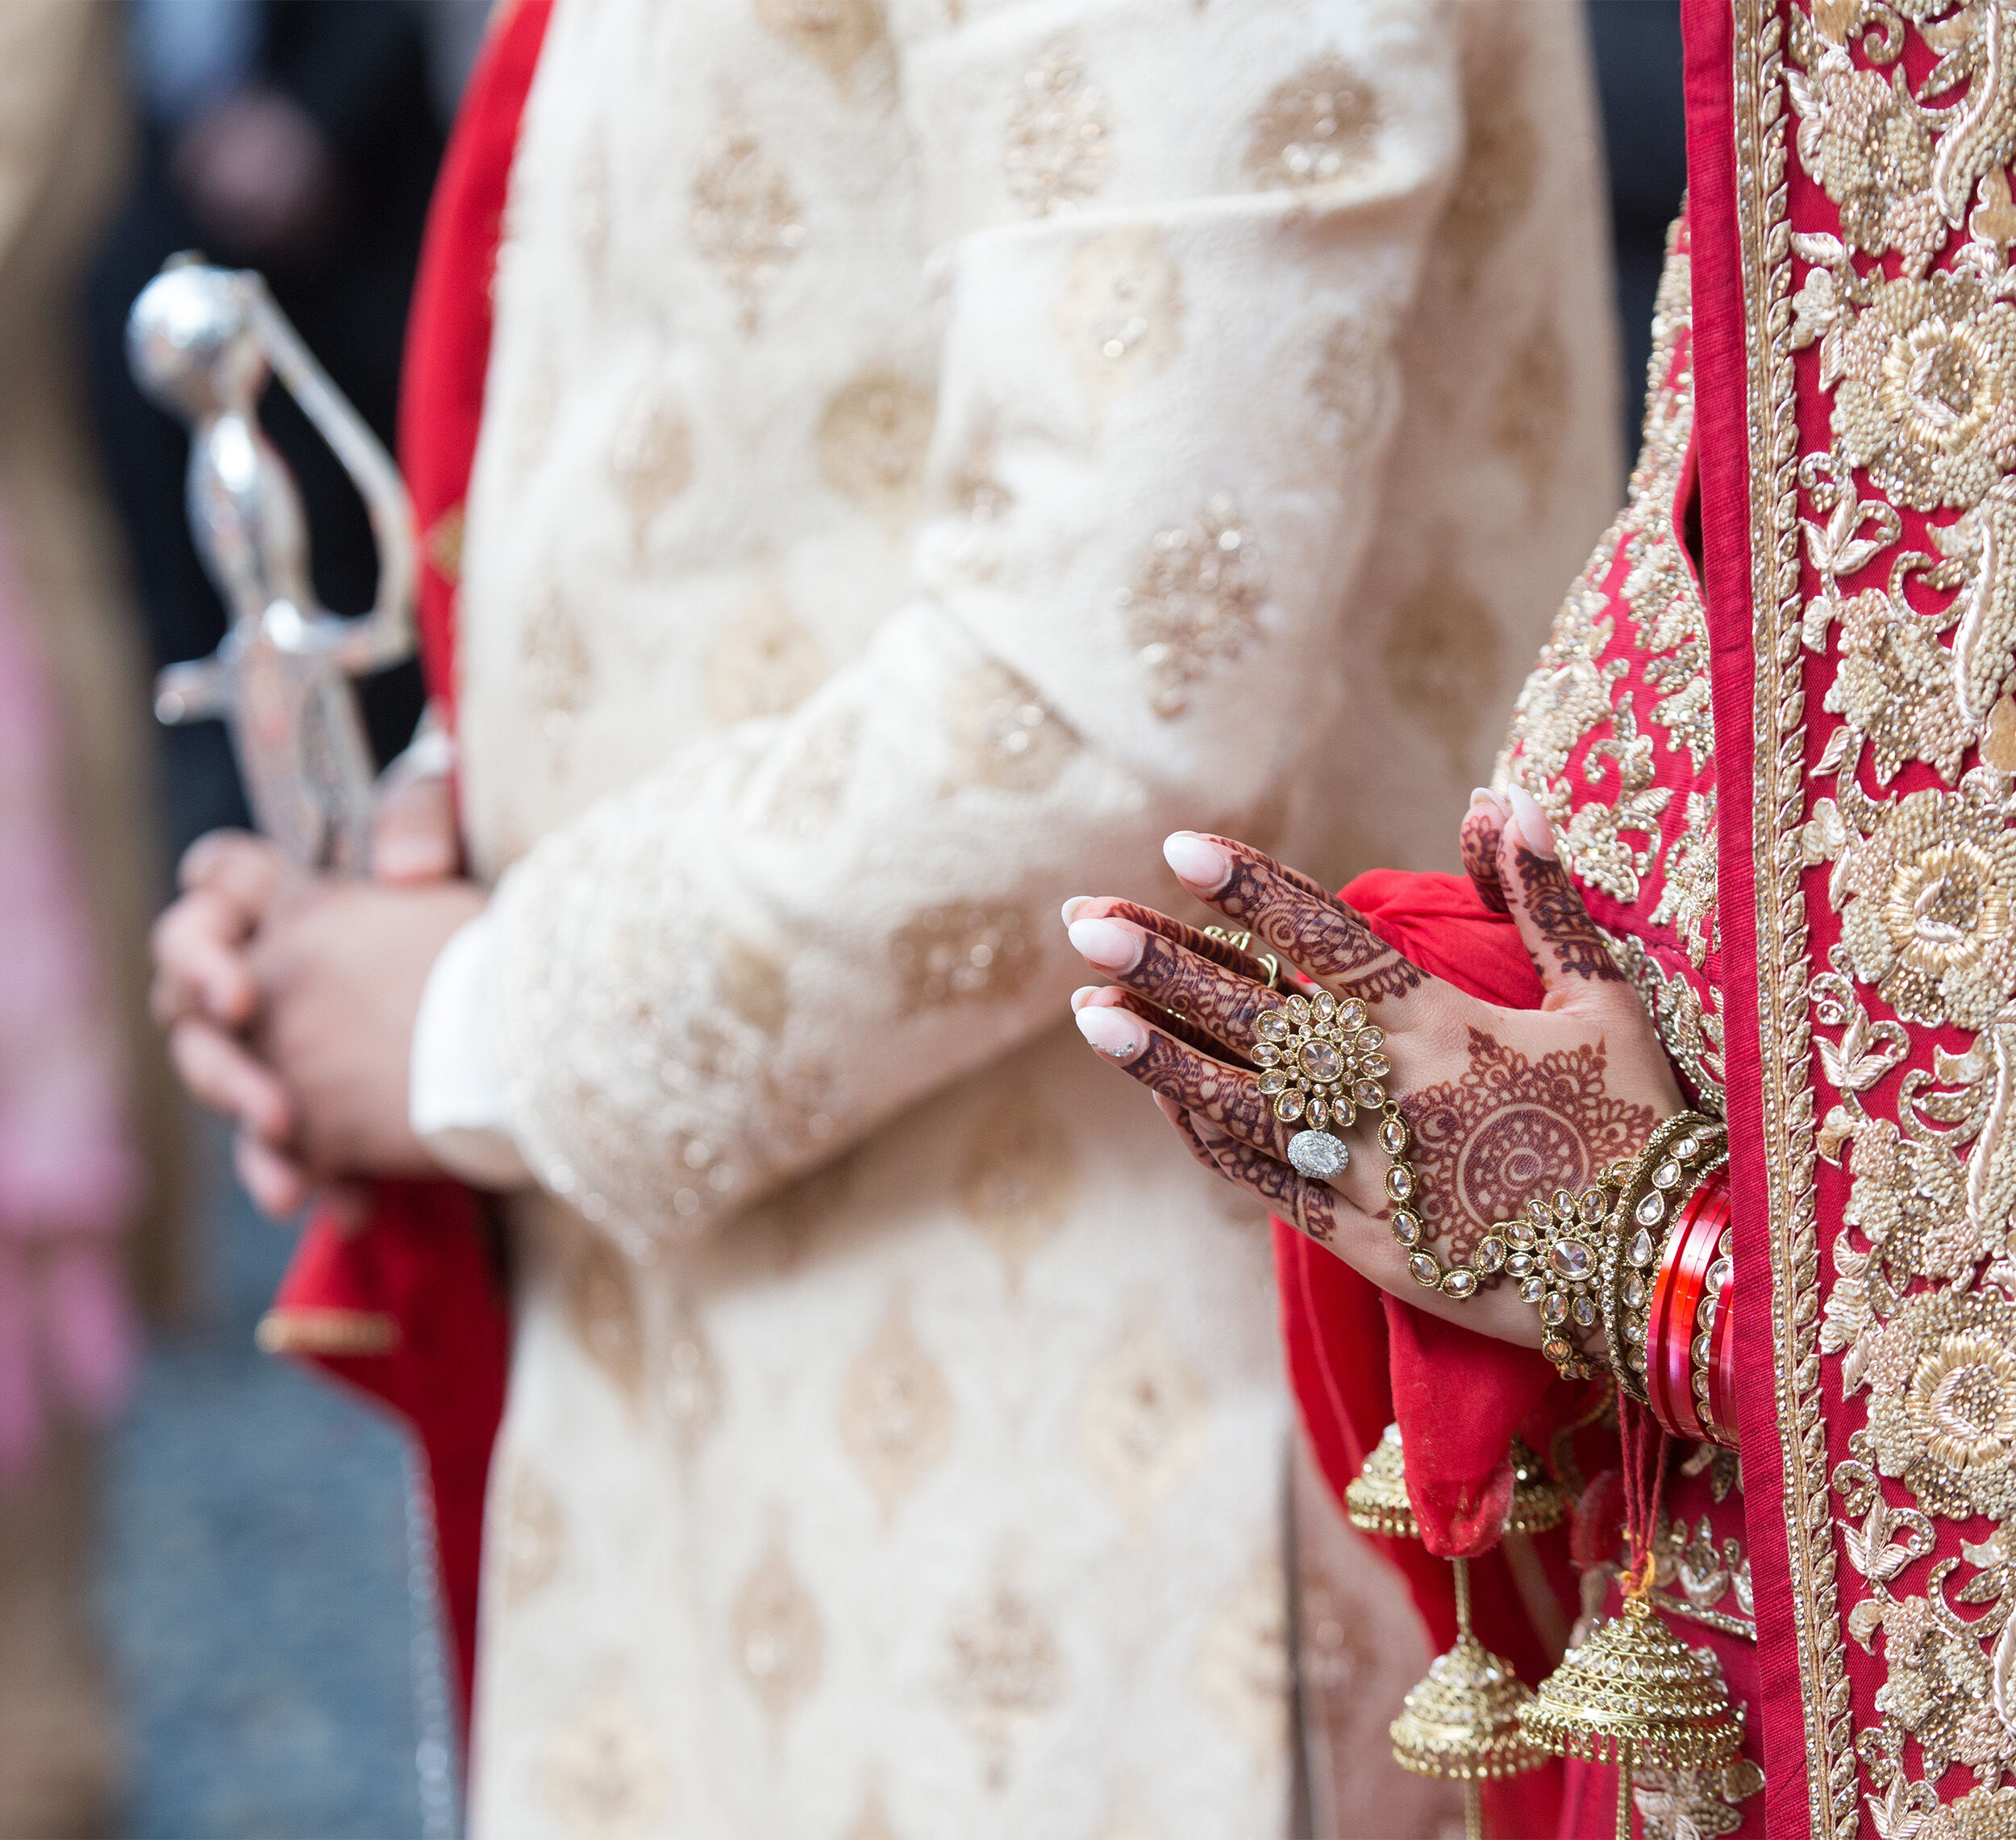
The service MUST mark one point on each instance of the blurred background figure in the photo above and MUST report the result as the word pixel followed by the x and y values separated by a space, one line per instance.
pixel 299 137
pixel 87 1124
pixel 1636 45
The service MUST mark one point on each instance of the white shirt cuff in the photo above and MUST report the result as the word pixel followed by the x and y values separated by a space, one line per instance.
pixel 457 1101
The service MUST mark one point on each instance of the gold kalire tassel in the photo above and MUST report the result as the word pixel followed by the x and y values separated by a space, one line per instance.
pixel 1633 1693
pixel 1462 1721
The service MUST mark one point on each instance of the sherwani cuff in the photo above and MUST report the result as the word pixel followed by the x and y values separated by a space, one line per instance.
pixel 456 1092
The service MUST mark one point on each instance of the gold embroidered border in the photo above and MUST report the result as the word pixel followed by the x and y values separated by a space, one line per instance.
pixel 1778 811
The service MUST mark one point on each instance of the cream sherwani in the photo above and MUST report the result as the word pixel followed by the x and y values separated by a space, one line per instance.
pixel 929 454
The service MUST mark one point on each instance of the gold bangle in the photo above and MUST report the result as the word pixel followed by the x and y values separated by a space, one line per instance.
pixel 1676 1159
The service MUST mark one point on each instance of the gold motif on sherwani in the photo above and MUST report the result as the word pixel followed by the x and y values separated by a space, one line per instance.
pixel 602 1310
pixel 1529 412
pixel 745 219
pixel 603 1772
pixel 1141 1423
pixel 1058 152
pixel 779 1638
pixel 836 34
pixel 896 1415
pixel 558 665
pixel 1319 126
pixel 871 445
pixel 765 660
pixel 1443 655
pixel 534 1533
pixel 1197 600
pixel 1002 734
pixel 1242 1670
pixel 651 457
pixel 1006 1671
pixel 1120 310
pixel 950 955
pixel 1017 1178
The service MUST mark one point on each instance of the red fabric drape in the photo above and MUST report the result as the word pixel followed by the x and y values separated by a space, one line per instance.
pixel 424 1262
pixel 1359 1359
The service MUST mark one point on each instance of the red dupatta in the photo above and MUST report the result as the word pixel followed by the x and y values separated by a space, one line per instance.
pixel 409 1309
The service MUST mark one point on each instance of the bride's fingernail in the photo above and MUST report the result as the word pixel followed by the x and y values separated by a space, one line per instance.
pixel 1085 993
pixel 1108 943
pixel 1534 831
pixel 1484 795
pixel 1200 864
pixel 1117 1034
pixel 1072 906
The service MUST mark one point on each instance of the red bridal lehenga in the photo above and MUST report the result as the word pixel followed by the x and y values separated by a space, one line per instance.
pixel 1774 731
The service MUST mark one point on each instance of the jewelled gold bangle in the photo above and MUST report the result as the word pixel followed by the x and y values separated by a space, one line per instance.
pixel 1675 1159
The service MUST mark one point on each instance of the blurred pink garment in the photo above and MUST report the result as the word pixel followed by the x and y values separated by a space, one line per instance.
pixel 69 1172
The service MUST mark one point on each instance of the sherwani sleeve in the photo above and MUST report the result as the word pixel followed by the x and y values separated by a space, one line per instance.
pixel 1176 244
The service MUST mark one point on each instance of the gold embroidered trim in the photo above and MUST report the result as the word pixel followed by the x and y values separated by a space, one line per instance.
pixel 1778 812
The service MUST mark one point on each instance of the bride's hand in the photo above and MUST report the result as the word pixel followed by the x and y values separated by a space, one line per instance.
pixel 1502 1105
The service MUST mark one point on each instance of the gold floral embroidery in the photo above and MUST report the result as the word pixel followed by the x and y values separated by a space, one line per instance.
pixel 604 1772
pixel 895 1411
pixel 1318 126
pixel 871 445
pixel 765 662
pixel 1983 1814
pixel 1242 1670
pixel 1016 1180
pixel 1058 152
pixel 1694 1805
pixel 837 34
pixel 745 219
pixel 1915 365
pixel 1141 1425
pixel 1197 602
pixel 1702 1579
pixel 780 1640
pixel 1007 1671
pixel 1501 153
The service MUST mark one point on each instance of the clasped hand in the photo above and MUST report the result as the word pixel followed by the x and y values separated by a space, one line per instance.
pixel 289 997
pixel 1503 1105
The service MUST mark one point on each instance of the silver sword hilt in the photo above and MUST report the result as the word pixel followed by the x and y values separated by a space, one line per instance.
pixel 201 342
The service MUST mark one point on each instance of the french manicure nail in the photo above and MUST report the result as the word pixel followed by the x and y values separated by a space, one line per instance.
pixel 1084 995
pixel 1200 864
pixel 1107 944
pixel 1117 1034
pixel 1535 830
pixel 1072 906
pixel 1484 795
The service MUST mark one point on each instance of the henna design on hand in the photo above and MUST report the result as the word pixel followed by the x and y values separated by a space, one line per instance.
pixel 1307 1206
pixel 1219 951
pixel 1220 1095
pixel 1562 921
pixel 1483 831
pixel 1511 1129
pixel 1223 1006
pixel 1314 930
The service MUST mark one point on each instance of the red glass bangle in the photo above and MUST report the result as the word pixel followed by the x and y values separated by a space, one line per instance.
pixel 1673 1324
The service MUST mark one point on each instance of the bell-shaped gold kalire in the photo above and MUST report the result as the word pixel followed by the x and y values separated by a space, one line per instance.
pixel 1633 1693
pixel 1461 1721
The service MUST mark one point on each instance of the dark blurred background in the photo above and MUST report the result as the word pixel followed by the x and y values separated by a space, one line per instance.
pixel 213 1617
